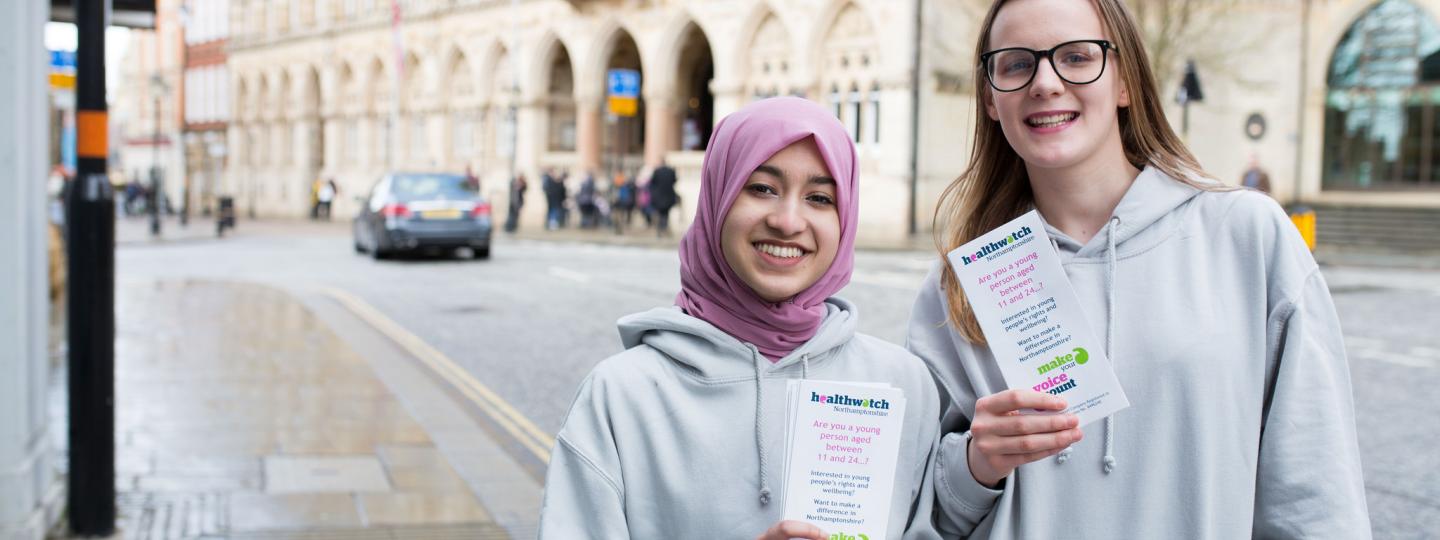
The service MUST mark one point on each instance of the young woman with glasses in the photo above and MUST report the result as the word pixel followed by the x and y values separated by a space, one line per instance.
pixel 1216 318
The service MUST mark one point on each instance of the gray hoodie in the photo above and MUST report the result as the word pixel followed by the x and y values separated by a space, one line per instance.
pixel 1224 337
pixel 670 439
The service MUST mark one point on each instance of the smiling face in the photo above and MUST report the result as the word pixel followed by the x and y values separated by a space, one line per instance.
pixel 1053 124
pixel 783 231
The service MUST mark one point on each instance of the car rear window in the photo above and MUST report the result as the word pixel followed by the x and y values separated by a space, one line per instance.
pixel 419 187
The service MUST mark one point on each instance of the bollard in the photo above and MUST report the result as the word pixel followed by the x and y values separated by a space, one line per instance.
pixel 1304 219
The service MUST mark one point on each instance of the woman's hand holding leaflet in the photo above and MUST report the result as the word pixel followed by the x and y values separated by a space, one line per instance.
pixel 786 530
pixel 1002 439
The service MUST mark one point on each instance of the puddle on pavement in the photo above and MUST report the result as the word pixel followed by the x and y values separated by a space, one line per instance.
pixel 214 378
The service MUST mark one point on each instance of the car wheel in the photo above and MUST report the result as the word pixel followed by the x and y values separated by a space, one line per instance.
pixel 480 253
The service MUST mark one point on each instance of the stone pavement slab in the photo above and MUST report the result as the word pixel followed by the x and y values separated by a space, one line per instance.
pixel 240 414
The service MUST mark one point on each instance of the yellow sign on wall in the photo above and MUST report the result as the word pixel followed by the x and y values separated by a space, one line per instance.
pixel 62 81
pixel 623 106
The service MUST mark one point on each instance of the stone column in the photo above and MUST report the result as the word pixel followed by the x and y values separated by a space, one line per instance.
pixel 661 125
pixel 529 141
pixel 588 109
pixel 729 96
pixel 29 493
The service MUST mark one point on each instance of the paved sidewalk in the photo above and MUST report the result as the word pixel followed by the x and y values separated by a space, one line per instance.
pixel 240 414
pixel 135 230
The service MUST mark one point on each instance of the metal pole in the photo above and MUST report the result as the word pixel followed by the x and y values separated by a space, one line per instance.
pixel 915 124
pixel 90 306
pixel 155 195
pixel 180 117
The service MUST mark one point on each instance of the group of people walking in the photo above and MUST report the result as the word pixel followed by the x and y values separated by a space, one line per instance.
pixel 1217 322
pixel 601 203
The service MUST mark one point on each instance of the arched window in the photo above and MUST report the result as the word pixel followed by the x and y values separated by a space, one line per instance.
pixel 560 103
pixel 462 109
pixel 845 62
pixel 768 56
pixel 854 124
pixel 872 113
pixel 1381 125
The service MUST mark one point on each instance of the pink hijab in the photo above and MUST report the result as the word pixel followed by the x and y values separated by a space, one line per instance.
pixel 709 289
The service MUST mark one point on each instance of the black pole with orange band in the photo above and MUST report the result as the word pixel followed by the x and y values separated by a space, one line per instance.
pixel 90 313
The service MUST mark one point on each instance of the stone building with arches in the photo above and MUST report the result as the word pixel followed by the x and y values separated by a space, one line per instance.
pixel 1339 117
pixel 327 88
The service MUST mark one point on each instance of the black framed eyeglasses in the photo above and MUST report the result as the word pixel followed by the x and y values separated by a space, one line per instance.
pixel 1076 62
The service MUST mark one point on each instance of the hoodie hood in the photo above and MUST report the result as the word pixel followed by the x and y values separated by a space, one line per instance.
pixel 715 354
pixel 1136 223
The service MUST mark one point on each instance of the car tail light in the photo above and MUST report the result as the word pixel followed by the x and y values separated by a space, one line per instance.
pixel 395 210
pixel 480 210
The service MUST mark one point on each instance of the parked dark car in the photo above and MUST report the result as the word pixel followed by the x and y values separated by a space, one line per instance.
pixel 408 212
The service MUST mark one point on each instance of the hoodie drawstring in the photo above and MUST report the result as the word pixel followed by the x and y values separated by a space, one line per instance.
pixel 759 409
pixel 1110 268
pixel 759 439
pixel 1064 455
pixel 1108 462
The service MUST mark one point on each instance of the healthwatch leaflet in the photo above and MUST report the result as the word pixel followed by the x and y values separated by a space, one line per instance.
pixel 1033 321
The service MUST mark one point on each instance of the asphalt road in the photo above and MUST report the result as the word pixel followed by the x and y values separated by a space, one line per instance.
pixel 531 322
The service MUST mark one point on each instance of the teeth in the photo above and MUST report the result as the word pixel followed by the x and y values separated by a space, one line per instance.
pixel 782 252
pixel 1051 120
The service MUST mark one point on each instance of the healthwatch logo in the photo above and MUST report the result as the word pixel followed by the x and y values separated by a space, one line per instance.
pixel 841 399
pixel 996 245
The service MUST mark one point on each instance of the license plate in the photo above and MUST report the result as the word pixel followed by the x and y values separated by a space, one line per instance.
pixel 441 214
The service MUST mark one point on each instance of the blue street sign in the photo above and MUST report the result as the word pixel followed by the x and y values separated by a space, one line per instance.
pixel 623 83
pixel 62 60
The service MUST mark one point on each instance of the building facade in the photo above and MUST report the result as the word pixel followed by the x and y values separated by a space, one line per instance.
pixel 1323 94
pixel 206 90
pixel 338 89
pixel 147 106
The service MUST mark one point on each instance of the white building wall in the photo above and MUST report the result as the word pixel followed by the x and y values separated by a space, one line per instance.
pixel 29 493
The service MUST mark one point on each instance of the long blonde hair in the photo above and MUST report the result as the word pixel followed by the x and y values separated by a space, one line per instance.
pixel 995 187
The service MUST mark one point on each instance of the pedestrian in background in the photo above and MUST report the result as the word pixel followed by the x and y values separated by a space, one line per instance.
pixel 642 198
pixel 1217 321
pixel 637 455
pixel 554 199
pixel 585 199
pixel 518 186
pixel 624 202
pixel 662 197
pixel 133 196
pixel 471 180
pixel 324 197
pixel 315 198
pixel 1255 177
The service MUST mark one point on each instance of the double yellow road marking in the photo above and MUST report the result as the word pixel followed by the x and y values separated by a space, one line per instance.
pixel 497 409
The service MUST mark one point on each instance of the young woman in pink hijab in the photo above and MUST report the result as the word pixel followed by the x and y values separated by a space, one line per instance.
pixel 681 435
